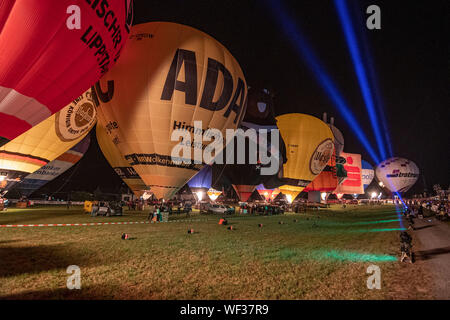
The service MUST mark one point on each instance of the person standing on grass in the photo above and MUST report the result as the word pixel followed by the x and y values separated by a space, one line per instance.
pixel 406 247
pixel 5 204
pixel 420 212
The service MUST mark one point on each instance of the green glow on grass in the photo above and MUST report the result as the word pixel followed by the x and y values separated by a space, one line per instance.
pixel 378 230
pixel 374 222
pixel 387 229
pixel 353 256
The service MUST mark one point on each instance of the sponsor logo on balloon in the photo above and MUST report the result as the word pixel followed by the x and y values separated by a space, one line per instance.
pixel 74 121
pixel 92 37
pixel 398 174
pixel 189 86
pixel 321 156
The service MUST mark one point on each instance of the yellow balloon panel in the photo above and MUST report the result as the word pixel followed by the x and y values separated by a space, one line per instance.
pixel 309 145
pixel 50 138
pixel 118 162
pixel 169 76
pixel 291 192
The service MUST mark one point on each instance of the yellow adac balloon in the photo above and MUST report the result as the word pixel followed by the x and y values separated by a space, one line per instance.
pixel 119 164
pixel 46 141
pixel 309 147
pixel 169 76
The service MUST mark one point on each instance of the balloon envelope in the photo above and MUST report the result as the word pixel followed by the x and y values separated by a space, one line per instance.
pixel 353 183
pixel 309 147
pixel 169 76
pixel 202 180
pixel 45 63
pixel 397 174
pixel 264 192
pixel 46 141
pixel 367 173
pixel 213 194
pixel 327 180
pixel 53 169
pixel 119 164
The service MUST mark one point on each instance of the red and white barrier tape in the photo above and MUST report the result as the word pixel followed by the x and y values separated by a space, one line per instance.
pixel 86 224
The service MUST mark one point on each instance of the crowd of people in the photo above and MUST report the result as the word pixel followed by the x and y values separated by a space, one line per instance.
pixel 415 209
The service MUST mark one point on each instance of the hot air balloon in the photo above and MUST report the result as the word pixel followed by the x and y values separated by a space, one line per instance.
pixel 213 194
pixel 201 182
pixel 268 194
pixel 119 164
pixel 309 147
pixel 259 113
pixel 169 76
pixel 53 51
pixel 353 183
pixel 46 141
pixel 367 173
pixel 244 177
pixel 53 169
pixel 397 174
pixel 338 136
pixel 338 140
pixel 327 180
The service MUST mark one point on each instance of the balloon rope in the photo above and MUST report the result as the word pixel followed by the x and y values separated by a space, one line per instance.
pixel 68 179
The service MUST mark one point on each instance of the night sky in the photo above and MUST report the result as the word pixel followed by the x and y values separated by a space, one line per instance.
pixel 411 59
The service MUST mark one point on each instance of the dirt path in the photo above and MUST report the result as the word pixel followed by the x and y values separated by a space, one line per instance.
pixel 434 236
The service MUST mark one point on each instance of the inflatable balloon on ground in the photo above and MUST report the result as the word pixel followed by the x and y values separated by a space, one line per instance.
pixel 397 174
pixel 367 173
pixel 267 194
pixel 309 147
pixel 49 56
pixel 46 141
pixel 327 180
pixel 169 76
pixel 353 183
pixel 201 182
pixel 119 164
pixel 244 177
pixel 213 194
pixel 53 169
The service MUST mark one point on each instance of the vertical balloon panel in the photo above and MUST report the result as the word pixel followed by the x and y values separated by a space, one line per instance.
pixel 119 163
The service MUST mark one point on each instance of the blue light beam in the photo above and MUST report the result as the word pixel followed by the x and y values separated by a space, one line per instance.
pixel 355 54
pixel 369 62
pixel 302 48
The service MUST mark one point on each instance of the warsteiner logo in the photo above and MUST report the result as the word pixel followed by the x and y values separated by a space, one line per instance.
pixel 321 156
pixel 76 119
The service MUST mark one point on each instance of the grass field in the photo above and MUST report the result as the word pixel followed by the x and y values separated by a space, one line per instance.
pixel 322 255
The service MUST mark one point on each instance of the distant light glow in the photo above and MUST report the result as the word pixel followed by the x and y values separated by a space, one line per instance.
pixel 289 198
pixel 200 195
pixel 323 196
pixel 374 194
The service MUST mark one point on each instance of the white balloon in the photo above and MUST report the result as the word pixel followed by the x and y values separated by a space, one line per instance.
pixel 397 174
